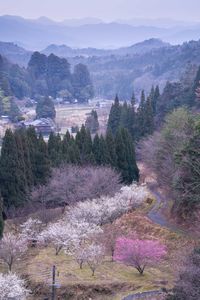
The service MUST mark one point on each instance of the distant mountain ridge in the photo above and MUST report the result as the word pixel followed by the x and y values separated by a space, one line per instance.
pixel 142 47
pixel 38 34
pixel 19 55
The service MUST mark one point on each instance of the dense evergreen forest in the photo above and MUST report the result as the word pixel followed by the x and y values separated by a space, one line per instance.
pixel 45 76
pixel 27 160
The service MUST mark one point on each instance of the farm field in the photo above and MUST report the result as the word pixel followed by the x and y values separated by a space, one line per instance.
pixel 68 115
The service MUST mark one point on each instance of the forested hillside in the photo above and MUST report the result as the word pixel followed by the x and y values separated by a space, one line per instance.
pixel 45 76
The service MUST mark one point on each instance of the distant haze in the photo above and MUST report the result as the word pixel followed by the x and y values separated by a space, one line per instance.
pixel 107 10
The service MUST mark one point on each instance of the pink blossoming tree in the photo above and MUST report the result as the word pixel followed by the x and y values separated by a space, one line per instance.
pixel 138 253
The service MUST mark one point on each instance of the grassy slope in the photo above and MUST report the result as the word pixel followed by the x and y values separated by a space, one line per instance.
pixel 112 280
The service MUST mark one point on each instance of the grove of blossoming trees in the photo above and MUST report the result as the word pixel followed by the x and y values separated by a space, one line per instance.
pixel 78 234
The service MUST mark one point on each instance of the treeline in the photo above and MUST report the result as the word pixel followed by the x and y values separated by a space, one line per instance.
pixel 27 160
pixel 45 76
pixel 152 110
pixel 174 155
pixel 140 122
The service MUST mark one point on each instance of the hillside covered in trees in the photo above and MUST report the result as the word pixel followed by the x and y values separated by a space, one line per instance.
pixel 45 76
pixel 139 66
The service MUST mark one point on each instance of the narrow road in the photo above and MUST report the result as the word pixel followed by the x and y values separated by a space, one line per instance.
pixel 156 216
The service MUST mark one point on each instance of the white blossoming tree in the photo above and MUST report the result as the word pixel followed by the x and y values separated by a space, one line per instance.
pixel 12 287
pixel 30 230
pixel 95 255
pixel 12 247
pixel 59 235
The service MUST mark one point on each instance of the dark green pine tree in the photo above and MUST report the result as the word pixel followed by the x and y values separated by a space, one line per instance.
pixel 26 156
pixel 65 147
pixel 155 99
pixel 13 188
pixel 73 152
pixel 124 116
pixel 100 151
pixel 131 115
pixel 141 117
pixel 43 166
pixel 84 143
pixel 1 217
pixel 55 149
pixel 110 142
pixel 192 97
pixel 105 155
pixel 33 151
pixel 45 108
pixel 149 117
pixel 21 160
pixel 126 161
pixel 114 116
pixel 96 149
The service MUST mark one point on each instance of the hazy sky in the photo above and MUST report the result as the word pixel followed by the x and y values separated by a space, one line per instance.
pixel 104 9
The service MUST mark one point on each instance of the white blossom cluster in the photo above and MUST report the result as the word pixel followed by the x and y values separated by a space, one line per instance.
pixel 82 222
pixel 107 209
pixel 12 287
pixel 31 229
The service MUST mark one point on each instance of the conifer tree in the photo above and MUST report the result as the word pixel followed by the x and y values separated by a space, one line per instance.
pixel 1 217
pixel 114 116
pixel 110 142
pixel 73 152
pixel 149 117
pixel 33 150
pixel 96 149
pixel 26 156
pixel 84 143
pixel 155 99
pixel 54 149
pixel 12 186
pixel 141 117
pixel 126 162
pixel 43 168
pixel 21 160
pixel 65 147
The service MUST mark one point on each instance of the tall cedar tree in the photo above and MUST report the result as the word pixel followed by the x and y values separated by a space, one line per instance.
pixel 45 108
pixel 148 117
pixel 141 113
pixel 33 149
pixel 126 162
pixel 114 116
pixel 54 149
pixel 1 217
pixel 110 142
pixel 43 167
pixel 12 183
pixel 84 143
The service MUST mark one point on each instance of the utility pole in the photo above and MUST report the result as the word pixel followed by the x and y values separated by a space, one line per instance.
pixel 53 294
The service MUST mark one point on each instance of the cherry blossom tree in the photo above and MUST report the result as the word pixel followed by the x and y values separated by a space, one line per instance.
pixel 106 209
pixel 95 255
pixel 59 235
pixel 12 247
pixel 139 253
pixel 68 235
pixel 30 230
pixel 12 287
pixel 81 254
pixel 109 238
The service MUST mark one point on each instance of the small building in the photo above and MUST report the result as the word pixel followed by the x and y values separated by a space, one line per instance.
pixel 43 125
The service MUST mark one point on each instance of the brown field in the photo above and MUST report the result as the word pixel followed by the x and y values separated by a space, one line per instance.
pixel 68 115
